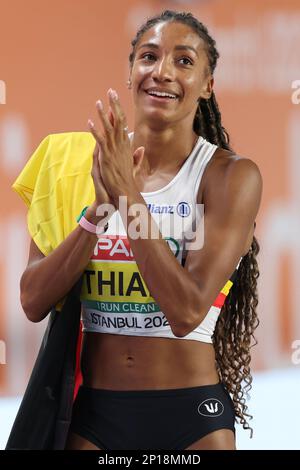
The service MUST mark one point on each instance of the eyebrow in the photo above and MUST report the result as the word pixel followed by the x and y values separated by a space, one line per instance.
pixel 179 47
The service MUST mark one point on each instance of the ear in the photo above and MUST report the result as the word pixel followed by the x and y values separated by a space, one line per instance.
pixel 129 84
pixel 207 88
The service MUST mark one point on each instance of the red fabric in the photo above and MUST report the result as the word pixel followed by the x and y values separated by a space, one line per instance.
pixel 219 302
pixel 78 375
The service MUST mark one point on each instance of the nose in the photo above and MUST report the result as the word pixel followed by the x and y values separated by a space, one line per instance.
pixel 163 70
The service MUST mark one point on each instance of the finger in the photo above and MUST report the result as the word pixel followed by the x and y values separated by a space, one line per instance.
pixel 96 167
pixel 138 156
pixel 100 140
pixel 96 172
pixel 110 116
pixel 107 127
pixel 120 123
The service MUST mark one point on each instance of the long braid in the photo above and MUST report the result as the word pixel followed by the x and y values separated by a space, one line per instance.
pixel 233 335
pixel 208 119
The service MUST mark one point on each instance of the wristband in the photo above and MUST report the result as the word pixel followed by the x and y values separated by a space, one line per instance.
pixel 82 213
pixel 92 228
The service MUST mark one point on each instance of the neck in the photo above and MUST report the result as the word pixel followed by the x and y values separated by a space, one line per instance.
pixel 165 149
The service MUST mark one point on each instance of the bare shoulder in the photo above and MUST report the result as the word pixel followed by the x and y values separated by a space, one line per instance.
pixel 227 170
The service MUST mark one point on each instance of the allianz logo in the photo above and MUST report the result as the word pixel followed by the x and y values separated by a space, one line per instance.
pixel 211 407
pixel 182 208
pixel 160 209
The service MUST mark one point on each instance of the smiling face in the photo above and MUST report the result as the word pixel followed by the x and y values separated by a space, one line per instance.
pixel 169 73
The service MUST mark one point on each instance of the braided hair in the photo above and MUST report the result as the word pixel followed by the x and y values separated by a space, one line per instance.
pixel 234 333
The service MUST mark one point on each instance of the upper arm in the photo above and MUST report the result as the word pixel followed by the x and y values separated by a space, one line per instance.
pixel 231 202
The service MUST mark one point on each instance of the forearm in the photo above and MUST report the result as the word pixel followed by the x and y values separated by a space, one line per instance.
pixel 168 282
pixel 49 279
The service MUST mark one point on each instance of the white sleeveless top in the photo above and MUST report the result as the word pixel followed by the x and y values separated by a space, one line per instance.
pixel 115 299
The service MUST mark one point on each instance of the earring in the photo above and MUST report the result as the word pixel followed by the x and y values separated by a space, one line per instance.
pixel 129 84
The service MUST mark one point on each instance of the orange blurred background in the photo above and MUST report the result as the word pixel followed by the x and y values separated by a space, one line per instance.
pixel 58 57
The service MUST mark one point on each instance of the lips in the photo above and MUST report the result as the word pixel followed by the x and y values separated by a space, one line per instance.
pixel 161 95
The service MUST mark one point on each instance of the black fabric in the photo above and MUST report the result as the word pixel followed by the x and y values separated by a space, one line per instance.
pixel 151 419
pixel 43 419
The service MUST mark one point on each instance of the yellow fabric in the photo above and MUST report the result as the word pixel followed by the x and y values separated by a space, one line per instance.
pixel 227 288
pixel 56 184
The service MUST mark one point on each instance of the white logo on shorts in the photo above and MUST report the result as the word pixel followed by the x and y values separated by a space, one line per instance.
pixel 211 407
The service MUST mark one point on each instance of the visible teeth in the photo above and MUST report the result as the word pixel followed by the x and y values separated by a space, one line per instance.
pixel 161 93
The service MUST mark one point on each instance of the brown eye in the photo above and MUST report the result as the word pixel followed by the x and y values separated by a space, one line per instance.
pixel 189 61
pixel 145 56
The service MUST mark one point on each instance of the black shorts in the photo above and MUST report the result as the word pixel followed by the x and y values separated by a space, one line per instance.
pixel 151 419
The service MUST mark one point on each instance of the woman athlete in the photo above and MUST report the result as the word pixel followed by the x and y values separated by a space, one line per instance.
pixel 166 339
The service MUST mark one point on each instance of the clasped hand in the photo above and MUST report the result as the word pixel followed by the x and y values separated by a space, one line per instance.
pixel 116 163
